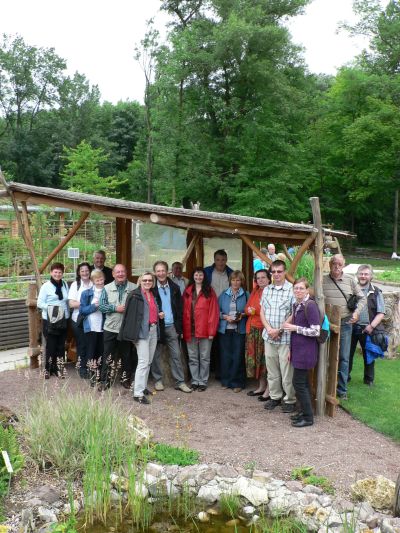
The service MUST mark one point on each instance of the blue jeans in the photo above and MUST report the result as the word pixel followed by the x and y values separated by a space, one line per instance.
pixel 344 356
pixel 233 371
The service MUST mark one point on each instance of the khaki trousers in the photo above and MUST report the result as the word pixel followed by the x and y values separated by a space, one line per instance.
pixel 280 372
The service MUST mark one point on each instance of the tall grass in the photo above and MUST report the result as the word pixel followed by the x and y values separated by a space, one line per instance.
pixel 81 437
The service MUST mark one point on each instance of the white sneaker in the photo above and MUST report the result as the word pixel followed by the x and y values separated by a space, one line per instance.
pixel 184 388
pixel 159 385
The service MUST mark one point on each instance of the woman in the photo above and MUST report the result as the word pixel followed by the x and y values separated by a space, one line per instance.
pixel 200 323
pixel 140 326
pixel 81 284
pixel 304 325
pixel 232 333
pixel 53 301
pixel 255 352
pixel 93 325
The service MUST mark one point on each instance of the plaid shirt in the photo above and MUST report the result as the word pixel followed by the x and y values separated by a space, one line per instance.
pixel 276 302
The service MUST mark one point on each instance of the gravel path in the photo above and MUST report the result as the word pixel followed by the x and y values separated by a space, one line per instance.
pixel 234 429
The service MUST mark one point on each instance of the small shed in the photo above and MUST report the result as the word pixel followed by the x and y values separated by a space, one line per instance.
pixel 198 225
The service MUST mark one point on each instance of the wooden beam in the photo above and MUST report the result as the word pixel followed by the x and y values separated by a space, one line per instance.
pixel 189 250
pixel 26 235
pixel 319 298
pixel 286 252
pixel 301 251
pixel 64 241
pixel 29 244
pixel 199 251
pixel 246 239
pixel 34 322
pixel 247 265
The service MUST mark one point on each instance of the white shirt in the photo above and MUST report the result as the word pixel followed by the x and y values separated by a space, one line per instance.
pixel 75 294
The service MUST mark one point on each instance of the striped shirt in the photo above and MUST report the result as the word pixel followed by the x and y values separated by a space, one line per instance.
pixel 349 286
pixel 276 302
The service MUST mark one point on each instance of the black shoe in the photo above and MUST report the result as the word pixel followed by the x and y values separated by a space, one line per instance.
pixel 254 393
pixel 288 407
pixel 263 398
pixel 297 416
pixel 147 392
pixel 369 383
pixel 126 384
pixel 302 423
pixel 141 399
pixel 271 404
pixel 202 388
pixel 194 386
pixel 342 396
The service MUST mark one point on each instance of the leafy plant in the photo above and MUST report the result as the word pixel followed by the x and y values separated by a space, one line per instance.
pixel 304 474
pixel 172 455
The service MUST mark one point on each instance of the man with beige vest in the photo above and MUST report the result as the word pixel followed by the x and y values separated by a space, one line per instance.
pixel 338 289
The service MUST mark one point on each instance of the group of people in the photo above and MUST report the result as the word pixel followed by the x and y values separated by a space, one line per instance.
pixel 270 335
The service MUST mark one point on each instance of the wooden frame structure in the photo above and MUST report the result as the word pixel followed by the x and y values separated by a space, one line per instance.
pixel 198 224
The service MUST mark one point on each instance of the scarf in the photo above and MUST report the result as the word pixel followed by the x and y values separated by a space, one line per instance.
pixel 58 285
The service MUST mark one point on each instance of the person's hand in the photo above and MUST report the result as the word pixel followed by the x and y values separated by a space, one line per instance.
pixel 210 338
pixel 287 326
pixel 273 333
pixel 368 329
pixel 120 308
pixel 229 318
pixel 354 318
pixel 161 315
pixel 251 310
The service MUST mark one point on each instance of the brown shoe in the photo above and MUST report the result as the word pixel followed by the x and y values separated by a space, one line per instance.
pixel 237 389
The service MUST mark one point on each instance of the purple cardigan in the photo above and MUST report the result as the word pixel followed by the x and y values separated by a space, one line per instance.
pixel 304 350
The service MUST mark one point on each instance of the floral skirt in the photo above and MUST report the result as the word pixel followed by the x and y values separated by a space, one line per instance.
pixel 255 354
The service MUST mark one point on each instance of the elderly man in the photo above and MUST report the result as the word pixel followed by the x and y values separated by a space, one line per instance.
pixel 338 289
pixel 271 252
pixel 177 277
pixel 112 304
pixel 169 301
pixel 369 322
pixel 99 258
pixel 276 304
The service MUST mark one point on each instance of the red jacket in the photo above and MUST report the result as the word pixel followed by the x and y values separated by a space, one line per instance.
pixel 206 315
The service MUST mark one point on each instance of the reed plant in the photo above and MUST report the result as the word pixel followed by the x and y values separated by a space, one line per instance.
pixel 230 504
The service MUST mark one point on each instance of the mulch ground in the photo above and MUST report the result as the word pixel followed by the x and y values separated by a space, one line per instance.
pixel 235 429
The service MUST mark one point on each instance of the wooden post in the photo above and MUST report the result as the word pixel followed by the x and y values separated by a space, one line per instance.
pixel 119 240
pixel 25 231
pixel 199 251
pixel 189 249
pixel 247 266
pixel 286 252
pixel 64 241
pixel 190 258
pixel 319 298
pixel 128 247
pixel 34 326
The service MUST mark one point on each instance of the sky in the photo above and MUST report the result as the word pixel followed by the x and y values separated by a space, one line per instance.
pixel 97 37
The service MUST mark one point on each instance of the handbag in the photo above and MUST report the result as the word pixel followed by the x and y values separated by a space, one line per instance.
pixel 351 302
pixel 56 321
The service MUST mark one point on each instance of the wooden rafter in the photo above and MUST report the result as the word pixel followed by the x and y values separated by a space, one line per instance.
pixel 65 240
pixel 262 256
pixel 301 251
pixel 189 250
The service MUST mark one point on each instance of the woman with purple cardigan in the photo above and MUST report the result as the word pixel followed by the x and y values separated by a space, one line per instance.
pixel 304 325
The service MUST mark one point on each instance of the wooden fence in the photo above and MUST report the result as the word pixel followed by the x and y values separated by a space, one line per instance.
pixel 14 328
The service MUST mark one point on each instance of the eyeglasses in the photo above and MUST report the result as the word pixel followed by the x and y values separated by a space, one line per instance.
pixel 277 271
pixel 147 280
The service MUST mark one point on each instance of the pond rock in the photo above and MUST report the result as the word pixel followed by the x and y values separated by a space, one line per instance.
pixel 47 494
pixel 203 516
pixel 379 491
pixel 46 515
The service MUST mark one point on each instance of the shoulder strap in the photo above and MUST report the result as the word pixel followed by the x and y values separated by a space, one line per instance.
pixel 344 296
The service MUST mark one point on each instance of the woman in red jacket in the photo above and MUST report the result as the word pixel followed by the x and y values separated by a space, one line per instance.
pixel 200 323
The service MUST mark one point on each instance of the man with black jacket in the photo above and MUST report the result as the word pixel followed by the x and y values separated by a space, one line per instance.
pixel 369 322
pixel 169 301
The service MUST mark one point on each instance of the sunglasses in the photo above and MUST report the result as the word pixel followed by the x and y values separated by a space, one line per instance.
pixel 147 280
pixel 277 271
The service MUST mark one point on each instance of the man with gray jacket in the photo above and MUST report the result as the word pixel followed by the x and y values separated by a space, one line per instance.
pixel 112 304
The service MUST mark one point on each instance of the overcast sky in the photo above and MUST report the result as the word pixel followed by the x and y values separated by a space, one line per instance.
pixel 97 37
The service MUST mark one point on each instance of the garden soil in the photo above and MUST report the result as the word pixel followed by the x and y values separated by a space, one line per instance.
pixel 235 429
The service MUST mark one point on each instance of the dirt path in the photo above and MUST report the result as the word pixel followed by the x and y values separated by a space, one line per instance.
pixel 235 429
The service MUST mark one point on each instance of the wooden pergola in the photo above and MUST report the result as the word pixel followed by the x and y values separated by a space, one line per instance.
pixel 198 225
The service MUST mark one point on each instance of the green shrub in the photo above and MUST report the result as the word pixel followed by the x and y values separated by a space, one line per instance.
pixel 171 455
pixel 304 474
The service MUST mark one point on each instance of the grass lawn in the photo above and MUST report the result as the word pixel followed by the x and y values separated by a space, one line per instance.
pixel 377 406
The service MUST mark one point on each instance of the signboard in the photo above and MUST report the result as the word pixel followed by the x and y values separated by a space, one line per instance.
pixel 73 253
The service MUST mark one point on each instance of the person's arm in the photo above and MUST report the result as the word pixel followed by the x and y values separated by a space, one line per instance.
pixel 273 333
pixel 41 301
pixel 362 301
pixel 104 306
pixel 73 300
pixel 85 307
pixel 380 307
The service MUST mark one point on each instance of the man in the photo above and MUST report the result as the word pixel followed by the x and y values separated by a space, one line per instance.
pixel 276 303
pixel 338 288
pixel 112 304
pixel 218 273
pixel 369 322
pixel 169 301
pixel 99 258
pixel 177 276
pixel 271 252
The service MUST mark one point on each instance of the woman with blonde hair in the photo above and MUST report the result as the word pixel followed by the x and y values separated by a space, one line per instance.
pixel 140 325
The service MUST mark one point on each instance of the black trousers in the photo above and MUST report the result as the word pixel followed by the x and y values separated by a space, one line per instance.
pixel 358 336
pixel 117 354
pixel 81 350
pixel 301 385
pixel 94 350
pixel 55 350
